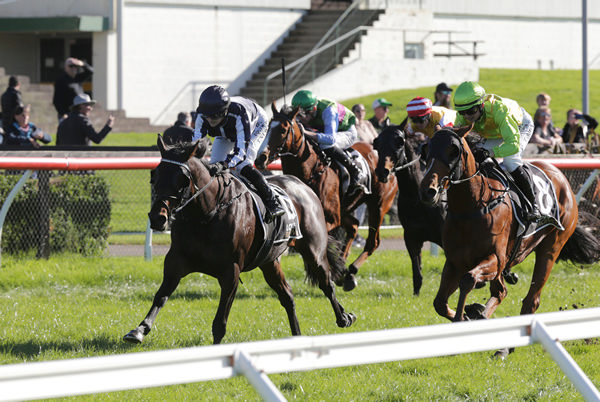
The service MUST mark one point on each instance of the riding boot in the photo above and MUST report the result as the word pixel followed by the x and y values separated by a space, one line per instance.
pixel 523 181
pixel 355 174
pixel 272 204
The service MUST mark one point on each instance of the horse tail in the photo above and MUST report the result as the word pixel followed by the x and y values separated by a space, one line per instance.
pixel 337 265
pixel 582 247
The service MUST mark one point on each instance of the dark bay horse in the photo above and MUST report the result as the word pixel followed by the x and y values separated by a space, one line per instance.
pixel 217 231
pixel 299 158
pixel 479 234
pixel 398 155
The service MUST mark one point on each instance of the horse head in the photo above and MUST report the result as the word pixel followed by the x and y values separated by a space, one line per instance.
pixel 285 135
pixel 390 147
pixel 447 160
pixel 172 179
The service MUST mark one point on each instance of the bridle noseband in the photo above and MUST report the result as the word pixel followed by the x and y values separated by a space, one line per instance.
pixel 278 151
pixel 192 190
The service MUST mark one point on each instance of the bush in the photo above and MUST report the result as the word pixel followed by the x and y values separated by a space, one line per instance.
pixel 73 215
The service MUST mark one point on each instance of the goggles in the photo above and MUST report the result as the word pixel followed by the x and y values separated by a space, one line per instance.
pixel 469 112
pixel 419 119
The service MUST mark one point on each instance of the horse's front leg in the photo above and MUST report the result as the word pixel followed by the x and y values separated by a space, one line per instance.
pixel 448 285
pixel 487 270
pixel 229 284
pixel 171 278
pixel 375 217
pixel 414 247
pixel 276 280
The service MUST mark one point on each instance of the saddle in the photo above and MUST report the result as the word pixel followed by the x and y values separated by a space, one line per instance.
pixel 362 165
pixel 545 197
pixel 278 233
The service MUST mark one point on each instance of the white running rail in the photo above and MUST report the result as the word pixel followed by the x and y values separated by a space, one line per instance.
pixel 256 360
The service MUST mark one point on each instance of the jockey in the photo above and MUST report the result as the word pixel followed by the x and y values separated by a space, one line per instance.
pixel 335 128
pixel 426 119
pixel 506 128
pixel 239 127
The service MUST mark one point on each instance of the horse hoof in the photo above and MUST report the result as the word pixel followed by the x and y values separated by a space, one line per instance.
pixel 510 277
pixel 479 285
pixel 502 353
pixel 475 311
pixel 349 283
pixel 352 269
pixel 349 319
pixel 134 336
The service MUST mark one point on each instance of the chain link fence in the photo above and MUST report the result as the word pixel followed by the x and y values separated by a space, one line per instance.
pixel 77 211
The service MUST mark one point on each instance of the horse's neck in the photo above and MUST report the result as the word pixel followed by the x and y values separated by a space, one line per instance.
pixel 304 164
pixel 470 194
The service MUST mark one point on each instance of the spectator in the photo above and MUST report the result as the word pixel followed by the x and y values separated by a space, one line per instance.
pixel 543 99
pixel 442 95
pixel 544 135
pixel 335 131
pixel 506 128
pixel 365 130
pixel 24 133
pixel 381 107
pixel 425 119
pixel 77 128
pixel 576 131
pixel 181 131
pixel 69 85
pixel 11 98
pixel 239 126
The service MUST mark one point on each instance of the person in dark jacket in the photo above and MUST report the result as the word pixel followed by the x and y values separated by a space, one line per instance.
pixel 578 131
pixel 181 131
pixel 77 128
pixel 69 85
pixel 24 133
pixel 11 98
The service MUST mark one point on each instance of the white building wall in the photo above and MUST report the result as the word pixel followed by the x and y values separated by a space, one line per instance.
pixel 172 53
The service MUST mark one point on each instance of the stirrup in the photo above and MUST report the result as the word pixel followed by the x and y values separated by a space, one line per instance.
pixel 274 209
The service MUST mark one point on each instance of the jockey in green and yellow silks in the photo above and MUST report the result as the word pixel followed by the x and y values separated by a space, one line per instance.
pixel 506 128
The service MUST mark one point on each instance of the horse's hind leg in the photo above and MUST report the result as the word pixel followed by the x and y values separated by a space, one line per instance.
pixel 276 280
pixel 317 270
pixel 375 217
pixel 167 287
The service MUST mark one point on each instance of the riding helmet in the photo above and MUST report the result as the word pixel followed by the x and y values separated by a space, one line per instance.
pixel 419 106
pixel 213 100
pixel 305 99
pixel 467 95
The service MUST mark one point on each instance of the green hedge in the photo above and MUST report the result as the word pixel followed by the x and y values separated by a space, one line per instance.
pixel 77 215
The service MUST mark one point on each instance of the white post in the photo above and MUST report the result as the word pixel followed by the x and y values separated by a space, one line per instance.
pixel 539 332
pixel 11 196
pixel 148 242
pixel 242 364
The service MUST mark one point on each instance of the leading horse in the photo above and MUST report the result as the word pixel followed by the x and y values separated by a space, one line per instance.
pixel 398 155
pixel 480 232
pixel 299 157
pixel 217 231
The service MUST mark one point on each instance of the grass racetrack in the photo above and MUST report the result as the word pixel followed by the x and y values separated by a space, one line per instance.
pixel 70 307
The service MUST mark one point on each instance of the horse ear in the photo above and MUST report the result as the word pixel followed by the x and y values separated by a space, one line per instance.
pixel 200 146
pixel 463 131
pixel 295 111
pixel 273 108
pixel 160 143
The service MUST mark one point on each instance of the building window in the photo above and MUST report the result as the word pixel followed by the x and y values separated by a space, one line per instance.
pixel 413 51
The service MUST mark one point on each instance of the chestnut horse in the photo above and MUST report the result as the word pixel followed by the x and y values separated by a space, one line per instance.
pixel 217 231
pixel 480 233
pixel 300 158
pixel 398 155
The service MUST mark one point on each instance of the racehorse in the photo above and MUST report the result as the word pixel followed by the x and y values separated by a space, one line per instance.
pixel 398 155
pixel 299 157
pixel 217 231
pixel 480 232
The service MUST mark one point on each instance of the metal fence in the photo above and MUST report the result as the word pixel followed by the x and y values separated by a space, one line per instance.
pixel 129 193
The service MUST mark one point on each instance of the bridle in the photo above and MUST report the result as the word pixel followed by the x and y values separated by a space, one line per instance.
pixel 294 143
pixel 186 194
pixel 455 166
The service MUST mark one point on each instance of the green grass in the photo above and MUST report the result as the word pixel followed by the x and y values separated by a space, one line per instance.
pixel 564 86
pixel 69 307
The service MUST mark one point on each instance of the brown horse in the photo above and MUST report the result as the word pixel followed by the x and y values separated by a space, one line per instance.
pixel 398 156
pixel 217 231
pixel 480 232
pixel 300 158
